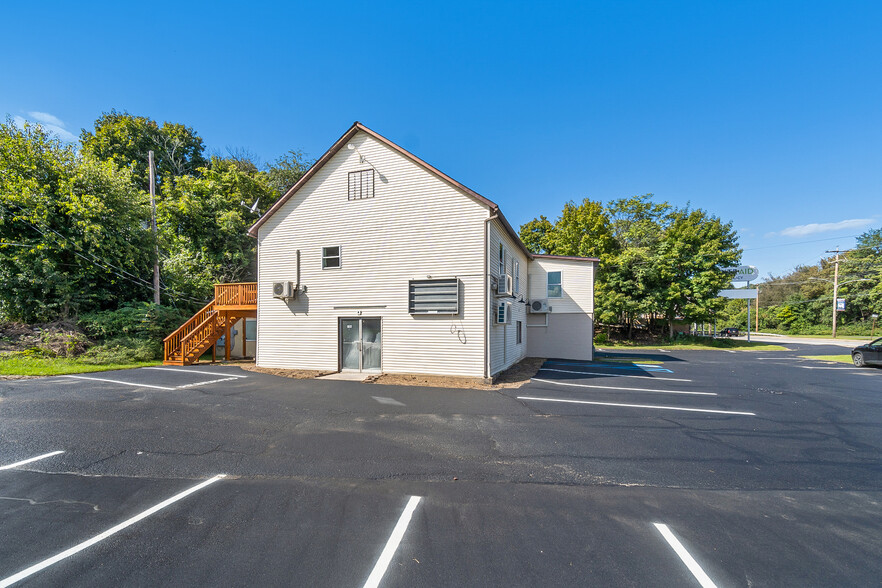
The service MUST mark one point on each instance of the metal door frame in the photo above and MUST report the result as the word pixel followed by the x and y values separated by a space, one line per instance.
pixel 361 342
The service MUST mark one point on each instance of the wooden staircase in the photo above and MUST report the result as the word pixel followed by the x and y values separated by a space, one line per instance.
pixel 232 303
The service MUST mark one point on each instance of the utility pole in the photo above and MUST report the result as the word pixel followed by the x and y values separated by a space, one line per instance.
pixel 748 313
pixel 155 238
pixel 835 286
pixel 756 327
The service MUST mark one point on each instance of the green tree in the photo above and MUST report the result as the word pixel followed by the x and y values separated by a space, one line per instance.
pixel 864 262
pixel 203 226
pixel 694 247
pixel 582 230
pixel 284 172
pixel 536 234
pixel 126 139
pixel 73 232
pixel 632 287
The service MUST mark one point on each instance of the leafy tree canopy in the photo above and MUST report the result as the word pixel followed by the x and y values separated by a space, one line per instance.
pixel 73 232
pixel 655 259
pixel 203 225
pixel 284 172
pixel 126 139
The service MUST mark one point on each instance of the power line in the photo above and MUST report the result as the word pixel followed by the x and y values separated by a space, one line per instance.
pixel 801 242
pixel 103 264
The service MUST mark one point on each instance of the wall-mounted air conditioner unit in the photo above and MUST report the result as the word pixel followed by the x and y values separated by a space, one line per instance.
pixel 539 306
pixel 505 286
pixel 283 290
pixel 503 313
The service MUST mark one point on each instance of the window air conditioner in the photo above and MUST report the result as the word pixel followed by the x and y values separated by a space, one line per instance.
pixel 505 286
pixel 503 313
pixel 539 306
pixel 283 290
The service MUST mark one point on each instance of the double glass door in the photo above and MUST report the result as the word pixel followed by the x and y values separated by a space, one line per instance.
pixel 360 344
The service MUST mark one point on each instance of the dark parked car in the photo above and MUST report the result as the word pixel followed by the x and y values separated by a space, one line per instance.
pixel 869 354
pixel 729 332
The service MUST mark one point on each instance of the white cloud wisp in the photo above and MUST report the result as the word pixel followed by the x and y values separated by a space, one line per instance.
pixel 816 228
pixel 50 123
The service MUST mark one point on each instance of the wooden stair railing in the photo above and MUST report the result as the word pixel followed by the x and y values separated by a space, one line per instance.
pixel 231 303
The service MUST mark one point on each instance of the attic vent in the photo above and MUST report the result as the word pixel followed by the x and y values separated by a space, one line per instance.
pixel 361 184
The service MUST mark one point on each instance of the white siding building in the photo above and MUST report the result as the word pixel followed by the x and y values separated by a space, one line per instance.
pixel 393 266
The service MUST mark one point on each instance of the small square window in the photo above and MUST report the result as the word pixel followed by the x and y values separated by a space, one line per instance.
pixel 554 285
pixel 330 257
pixel 361 184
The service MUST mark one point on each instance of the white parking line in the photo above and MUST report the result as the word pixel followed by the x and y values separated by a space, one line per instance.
pixel 637 405
pixel 183 371
pixel 652 390
pixel 386 400
pixel 205 383
pixel 97 538
pixel 391 545
pixel 121 382
pixel 690 562
pixel 612 375
pixel 24 461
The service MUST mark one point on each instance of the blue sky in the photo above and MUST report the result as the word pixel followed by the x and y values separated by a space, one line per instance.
pixel 763 113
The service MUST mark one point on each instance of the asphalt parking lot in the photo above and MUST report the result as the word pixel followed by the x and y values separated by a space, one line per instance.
pixel 665 469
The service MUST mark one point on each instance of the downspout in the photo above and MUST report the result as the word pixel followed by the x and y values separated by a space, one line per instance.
pixel 487 325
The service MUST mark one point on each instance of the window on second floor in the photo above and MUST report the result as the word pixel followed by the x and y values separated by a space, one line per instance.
pixel 517 276
pixel 330 257
pixel 501 259
pixel 554 285
pixel 361 184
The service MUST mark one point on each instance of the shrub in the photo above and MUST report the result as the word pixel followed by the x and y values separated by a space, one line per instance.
pixel 123 350
pixel 150 322
pixel 601 339
pixel 61 343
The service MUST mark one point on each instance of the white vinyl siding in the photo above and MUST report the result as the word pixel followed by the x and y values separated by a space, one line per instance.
pixel 577 284
pixel 568 330
pixel 415 226
pixel 504 348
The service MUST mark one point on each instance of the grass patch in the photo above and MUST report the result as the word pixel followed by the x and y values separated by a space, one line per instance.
pixel 836 358
pixel 696 345
pixel 828 336
pixel 22 365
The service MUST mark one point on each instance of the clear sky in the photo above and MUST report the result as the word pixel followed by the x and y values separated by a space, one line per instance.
pixel 765 113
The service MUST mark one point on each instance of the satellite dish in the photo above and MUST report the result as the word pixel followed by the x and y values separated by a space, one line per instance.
pixel 350 146
pixel 253 207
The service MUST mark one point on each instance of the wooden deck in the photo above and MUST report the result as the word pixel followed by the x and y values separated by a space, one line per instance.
pixel 232 302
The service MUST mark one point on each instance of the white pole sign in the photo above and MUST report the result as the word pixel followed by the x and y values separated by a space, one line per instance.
pixel 739 294
pixel 743 273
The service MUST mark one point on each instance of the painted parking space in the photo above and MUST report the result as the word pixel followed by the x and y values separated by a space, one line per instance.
pixel 161 378
pixel 48 513
pixel 218 531
pixel 588 387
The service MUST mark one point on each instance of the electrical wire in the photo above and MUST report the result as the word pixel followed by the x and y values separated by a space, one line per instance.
pixel 103 264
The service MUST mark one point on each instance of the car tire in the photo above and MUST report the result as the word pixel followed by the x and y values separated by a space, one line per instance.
pixel 858 358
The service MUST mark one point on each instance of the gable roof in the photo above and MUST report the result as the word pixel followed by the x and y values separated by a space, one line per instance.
pixel 355 128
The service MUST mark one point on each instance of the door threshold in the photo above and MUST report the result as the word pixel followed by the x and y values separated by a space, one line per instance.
pixel 347 376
